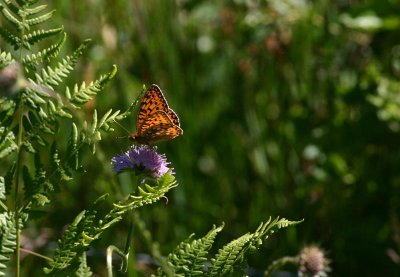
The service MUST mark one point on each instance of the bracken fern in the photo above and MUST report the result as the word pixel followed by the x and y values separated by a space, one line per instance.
pixel 31 113
pixel 191 256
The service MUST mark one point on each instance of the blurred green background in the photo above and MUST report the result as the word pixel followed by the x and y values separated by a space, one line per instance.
pixel 289 108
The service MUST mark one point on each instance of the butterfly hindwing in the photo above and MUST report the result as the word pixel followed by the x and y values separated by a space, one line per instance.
pixel 173 117
pixel 161 132
pixel 155 119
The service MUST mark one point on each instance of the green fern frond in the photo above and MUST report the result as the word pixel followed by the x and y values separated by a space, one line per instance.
pixel 28 145
pixel 33 98
pixel 12 19
pixel 7 143
pixel 34 125
pixel 229 255
pixel 234 253
pixel 84 269
pixel 73 148
pixel 104 124
pixel 7 239
pixel 28 182
pixel 2 188
pixel 12 6
pixel 32 60
pixel 107 119
pixel 40 185
pixel 75 241
pixel 84 93
pixel 47 103
pixel 7 108
pixel 189 257
pixel 39 122
pixel 92 132
pixel 88 225
pixel 38 35
pixel 39 19
pixel 52 77
pixel 10 38
pixel 58 108
pixel 35 10
pixel 68 248
pixel 9 177
pixel 24 2
pixel 5 59
pixel 57 166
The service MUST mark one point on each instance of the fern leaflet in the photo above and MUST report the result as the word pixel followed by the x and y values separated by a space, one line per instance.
pixel 7 239
pixel 189 257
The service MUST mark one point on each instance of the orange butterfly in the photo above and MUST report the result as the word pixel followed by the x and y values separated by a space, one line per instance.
pixel 155 121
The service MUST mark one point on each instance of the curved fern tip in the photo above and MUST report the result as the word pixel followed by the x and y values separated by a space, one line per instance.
pixel 101 198
pixel 113 71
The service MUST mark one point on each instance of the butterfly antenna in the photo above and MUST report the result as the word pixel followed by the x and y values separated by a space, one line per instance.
pixel 123 128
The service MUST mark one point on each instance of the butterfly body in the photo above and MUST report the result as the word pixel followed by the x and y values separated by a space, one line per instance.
pixel 155 121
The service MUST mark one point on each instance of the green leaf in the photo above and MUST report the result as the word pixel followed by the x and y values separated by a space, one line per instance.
pixel 7 143
pixel 11 18
pixel 2 188
pixel 88 226
pixel 39 19
pixel 52 77
pixel 5 59
pixel 9 177
pixel 10 38
pixel 7 239
pixel 38 35
pixel 31 60
pixel 84 269
pixel 234 253
pixel 35 10
pixel 72 148
pixel 82 94
pixel 189 257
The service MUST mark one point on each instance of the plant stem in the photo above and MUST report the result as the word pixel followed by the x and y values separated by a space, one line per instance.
pixel 36 254
pixel 18 173
pixel 153 246
pixel 3 206
pixel 16 198
pixel 279 263
pixel 110 251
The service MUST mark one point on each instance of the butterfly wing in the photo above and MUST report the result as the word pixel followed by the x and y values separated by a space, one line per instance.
pixel 172 115
pixel 157 127
pixel 152 102
pixel 161 132
pixel 155 120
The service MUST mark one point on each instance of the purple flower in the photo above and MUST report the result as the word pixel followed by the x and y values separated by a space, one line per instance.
pixel 142 160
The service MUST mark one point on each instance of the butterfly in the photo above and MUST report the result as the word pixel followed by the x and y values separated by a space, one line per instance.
pixel 155 121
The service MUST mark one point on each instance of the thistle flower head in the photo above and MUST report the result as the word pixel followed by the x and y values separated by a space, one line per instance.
pixel 313 263
pixel 142 160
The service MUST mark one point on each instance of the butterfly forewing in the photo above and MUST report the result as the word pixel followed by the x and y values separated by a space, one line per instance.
pixel 152 101
pixel 155 120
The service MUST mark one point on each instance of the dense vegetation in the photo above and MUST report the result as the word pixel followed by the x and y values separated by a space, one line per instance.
pixel 289 108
